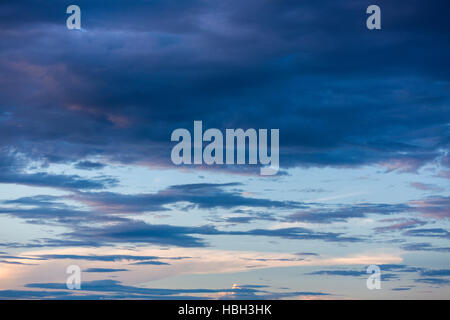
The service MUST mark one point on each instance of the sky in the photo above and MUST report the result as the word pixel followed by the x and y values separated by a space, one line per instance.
pixel 86 176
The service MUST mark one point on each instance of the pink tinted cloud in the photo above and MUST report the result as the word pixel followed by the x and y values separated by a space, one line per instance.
pixel 436 207
pixel 444 174
pixel 425 186
pixel 400 225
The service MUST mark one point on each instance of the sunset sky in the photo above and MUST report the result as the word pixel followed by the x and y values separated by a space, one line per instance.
pixel 86 177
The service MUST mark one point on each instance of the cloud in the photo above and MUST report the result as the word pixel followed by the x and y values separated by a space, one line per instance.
pixel 425 186
pixel 44 209
pixel 307 254
pixel 201 195
pixel 429 233
pixel 113 289
pixel 434 281
pixel 387 272
pixel 206 261
pixel 401 289
pixel 17 262
pixel 43 179
pixel 15 170
pixel 141 232
pixel 267 70
pixel 401 224
pixel 424 247
pixel 48 242
pixel 344 212
pixel 245 217
pixel 111 207
pixel 146 263
pixel 45 214
pixel 297 233
pixel 340 98
pixel 89 165
pixel 6 259
pixel 108 209
pixel 399 268
pixel 437 207
pixel 444 174
pixel 353 273
pixel 436 273
pixel 103 270
pixel 107 258
pixel 27 294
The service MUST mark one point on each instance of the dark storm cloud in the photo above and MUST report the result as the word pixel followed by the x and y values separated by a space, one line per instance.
pixel 340 94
